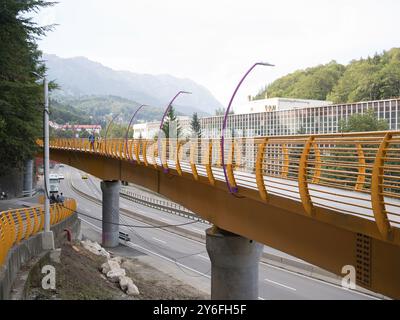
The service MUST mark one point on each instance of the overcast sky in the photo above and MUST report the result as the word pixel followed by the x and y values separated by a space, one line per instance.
pixel 213 42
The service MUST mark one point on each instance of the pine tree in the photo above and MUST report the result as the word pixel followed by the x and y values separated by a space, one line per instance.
pixel 195 126
pixel 172 118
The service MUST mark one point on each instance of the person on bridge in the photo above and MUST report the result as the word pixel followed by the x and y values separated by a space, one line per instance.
pixel 92 140
pixel 62 199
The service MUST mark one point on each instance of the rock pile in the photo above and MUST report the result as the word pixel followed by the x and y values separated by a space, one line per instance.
pixel 95 248
pixel 112 268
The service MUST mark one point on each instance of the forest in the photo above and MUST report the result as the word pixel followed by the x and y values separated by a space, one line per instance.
pixel 373 78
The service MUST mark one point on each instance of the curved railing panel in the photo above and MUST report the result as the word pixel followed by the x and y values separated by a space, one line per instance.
pixel 355 174
pixel 19 224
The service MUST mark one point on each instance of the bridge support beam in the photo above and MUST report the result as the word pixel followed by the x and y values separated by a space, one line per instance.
pixel 234 265
pixel 110 237
pixel 28 178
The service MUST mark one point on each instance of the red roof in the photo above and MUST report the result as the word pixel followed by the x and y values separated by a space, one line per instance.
pixel 82 126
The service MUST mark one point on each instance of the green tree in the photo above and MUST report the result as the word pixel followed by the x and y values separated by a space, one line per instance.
pixel 21 94
pixel 61 133
pixel 312 83
pixel 84 134
pixel 361 80
pixel 116 131
pixel 195 126
pixel 363 123
pixel 172 118
pixel 221 111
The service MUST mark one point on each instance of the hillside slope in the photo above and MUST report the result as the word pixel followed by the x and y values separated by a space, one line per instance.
pixel 364 79
pixel 80 76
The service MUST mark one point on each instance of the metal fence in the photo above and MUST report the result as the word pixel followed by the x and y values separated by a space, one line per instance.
pixel 19 224
pixel 162 205
pixel 353 174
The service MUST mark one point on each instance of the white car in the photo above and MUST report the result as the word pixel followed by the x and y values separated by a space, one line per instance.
pixel 60 176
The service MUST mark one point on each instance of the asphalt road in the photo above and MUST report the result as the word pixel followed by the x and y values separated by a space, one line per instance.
pixel 190 257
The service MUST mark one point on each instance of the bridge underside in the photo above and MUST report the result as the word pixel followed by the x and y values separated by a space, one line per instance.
pixel 279 223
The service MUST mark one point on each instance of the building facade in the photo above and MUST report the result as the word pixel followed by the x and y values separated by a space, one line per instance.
pixel 279 104
pixel 277 117
pixel 292 121
pixel 94 129
pixel 149 130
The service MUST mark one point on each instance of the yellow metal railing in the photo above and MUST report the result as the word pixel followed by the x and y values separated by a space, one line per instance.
pixel 354 173
pixel 20 224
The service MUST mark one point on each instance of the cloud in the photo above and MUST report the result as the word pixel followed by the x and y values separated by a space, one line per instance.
pixel 214 42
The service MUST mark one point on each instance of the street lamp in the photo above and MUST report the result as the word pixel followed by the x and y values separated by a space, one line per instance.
pixel 230 188
pixel 163 119
pixel 130 123
pixel 48 238
pixel 108 128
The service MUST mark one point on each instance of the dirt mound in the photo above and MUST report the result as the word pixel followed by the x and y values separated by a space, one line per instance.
pixel 78 278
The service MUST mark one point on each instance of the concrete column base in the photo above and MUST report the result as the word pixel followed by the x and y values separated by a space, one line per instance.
pixel 28 179
pixel 234 265
pixel 48 240
pixel 110 234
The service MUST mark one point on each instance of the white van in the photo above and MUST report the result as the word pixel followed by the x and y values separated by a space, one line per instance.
pixel 54 183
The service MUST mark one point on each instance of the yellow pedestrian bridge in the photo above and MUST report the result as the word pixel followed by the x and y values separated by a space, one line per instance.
pixel 331 200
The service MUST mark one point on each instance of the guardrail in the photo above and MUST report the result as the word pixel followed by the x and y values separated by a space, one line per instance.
pixel 19 224
pixel 355 174
pixel 162 205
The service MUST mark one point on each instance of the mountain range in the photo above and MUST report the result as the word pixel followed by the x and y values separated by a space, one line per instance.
pixel 80 77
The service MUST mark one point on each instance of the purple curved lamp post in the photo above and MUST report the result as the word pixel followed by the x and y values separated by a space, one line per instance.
pixel 231 188
pixel 164 116
pixel 108 128
pixel 130 123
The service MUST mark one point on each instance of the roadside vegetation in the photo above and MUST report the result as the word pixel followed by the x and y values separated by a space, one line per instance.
pixel 21 72
pixel 373 78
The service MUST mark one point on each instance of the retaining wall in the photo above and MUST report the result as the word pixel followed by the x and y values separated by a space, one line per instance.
pixel 26 250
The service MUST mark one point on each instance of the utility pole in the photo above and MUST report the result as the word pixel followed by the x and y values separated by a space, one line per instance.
pixel 48 238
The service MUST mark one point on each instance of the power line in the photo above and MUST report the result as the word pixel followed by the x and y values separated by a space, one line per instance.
pixel 154 246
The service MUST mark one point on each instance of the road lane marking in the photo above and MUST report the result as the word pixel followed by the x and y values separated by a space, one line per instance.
pixel 203 257
pixel 133 245
pixel 259 298
pixel 87 210
pixel 319 281
pixel 91 224
pixel 199 230
pixel 165 220
pixel 280 284
pixel 158 240
pixel 131 214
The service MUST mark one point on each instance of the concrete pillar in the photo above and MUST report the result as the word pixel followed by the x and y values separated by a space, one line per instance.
pixel 234 265
pixel 28 178
pixel 110 213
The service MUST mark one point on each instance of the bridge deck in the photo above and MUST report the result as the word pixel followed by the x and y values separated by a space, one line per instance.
pixel 330 200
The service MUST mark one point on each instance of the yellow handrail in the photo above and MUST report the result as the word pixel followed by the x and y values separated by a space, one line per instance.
pixel 366 163
pixel 12 228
